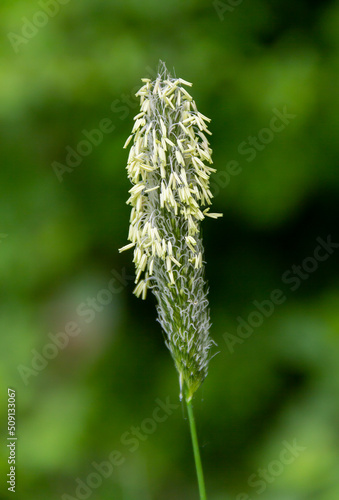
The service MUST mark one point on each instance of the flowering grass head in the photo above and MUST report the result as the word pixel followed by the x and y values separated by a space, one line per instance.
pixel 169 167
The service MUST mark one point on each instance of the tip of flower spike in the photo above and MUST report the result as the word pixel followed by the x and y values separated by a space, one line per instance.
pixel 162 70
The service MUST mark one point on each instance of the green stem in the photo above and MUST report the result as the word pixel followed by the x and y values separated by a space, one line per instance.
pixel 198 466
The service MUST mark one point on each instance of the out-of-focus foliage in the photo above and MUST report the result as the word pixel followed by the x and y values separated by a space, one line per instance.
pixel 79 71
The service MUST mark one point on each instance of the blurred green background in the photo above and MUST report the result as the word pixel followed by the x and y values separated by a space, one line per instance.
pixel 77 68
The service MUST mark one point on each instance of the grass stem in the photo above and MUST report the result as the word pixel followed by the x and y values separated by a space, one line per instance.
pixel 196 452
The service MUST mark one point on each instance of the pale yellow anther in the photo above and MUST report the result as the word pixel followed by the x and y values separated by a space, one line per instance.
pixel 162 170
pixel 204 117
pixel 128 141
pixel 173 259
pixel 181 147
pixel 184 128
pixel 184 82
pixel 162 154
pixel 169 102
pixel 170 142
pixel 183 176
pixel 168 264
pixel 143 262
pixel 179 157
pixel 126 247
pixel 156 86
pixel 163 128
pixel 171 277
pixel 139 115
pixel 152 189
pixel 186 94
